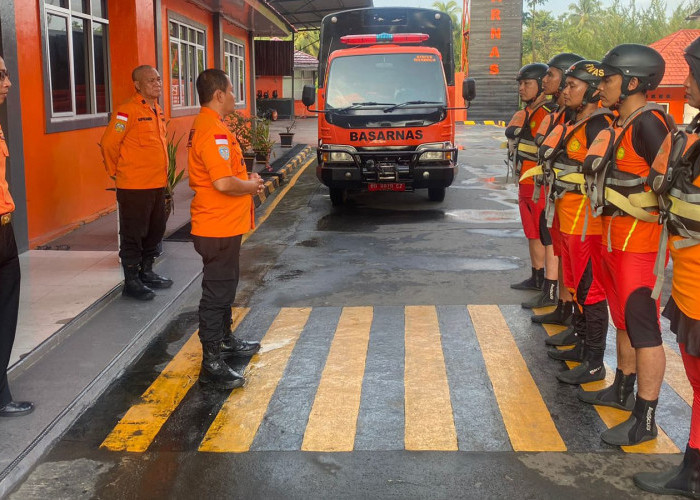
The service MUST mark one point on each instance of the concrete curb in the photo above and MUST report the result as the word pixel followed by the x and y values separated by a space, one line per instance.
pixel 284 173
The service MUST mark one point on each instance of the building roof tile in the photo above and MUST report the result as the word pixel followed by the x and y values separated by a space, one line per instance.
pixel 671 49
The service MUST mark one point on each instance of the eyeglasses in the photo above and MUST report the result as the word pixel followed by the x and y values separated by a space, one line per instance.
pixel 4 74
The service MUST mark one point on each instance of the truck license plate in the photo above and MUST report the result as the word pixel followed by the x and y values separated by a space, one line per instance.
pixel 388 186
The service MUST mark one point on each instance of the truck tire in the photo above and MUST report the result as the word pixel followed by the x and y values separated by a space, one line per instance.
pixel 436 194
pixel 338 196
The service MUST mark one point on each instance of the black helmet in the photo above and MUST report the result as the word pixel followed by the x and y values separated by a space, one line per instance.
pixel 590 72
pixel 692 56
pixel 562 62
pixel 533 71
pixel 635 60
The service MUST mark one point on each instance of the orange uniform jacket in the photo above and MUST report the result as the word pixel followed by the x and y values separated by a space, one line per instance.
pixel 214 154
pixel 134 146
pixel 535 121
pixel 6 203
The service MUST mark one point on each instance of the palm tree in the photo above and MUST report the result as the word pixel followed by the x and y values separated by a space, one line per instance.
pixel 452 9
pixel 583 11
pixel 533 6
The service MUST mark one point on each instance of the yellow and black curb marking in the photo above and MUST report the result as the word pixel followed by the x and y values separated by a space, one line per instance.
pixel 494 123
pixel 274 182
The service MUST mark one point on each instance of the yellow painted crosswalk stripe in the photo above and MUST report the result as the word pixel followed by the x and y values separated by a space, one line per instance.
pixel 137 429
pixel 236 424
pixel 525 416
pixel 429 421
pixel 333 418
pixel 612 416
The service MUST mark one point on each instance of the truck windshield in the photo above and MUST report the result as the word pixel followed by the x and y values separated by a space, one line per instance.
pixel 378 80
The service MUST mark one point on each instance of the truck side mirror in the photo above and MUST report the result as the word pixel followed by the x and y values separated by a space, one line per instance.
pixel 469 89
pixel 308 95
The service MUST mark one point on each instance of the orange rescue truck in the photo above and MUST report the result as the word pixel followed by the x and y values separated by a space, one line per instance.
pixel 386 120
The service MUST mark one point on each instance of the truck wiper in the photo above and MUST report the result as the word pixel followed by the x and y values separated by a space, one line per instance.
pixel 409 103
pixel 356 105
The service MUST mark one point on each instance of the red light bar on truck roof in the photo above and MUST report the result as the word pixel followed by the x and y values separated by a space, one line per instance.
pixel 384 38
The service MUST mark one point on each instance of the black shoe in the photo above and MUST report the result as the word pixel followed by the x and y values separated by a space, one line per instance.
pixel 583 373
pixel 683 479
pixel 16 409
pixel 534 282
pixel 565 337
pixel 638 428
pixel 215 371
pixel 133 286
pixel 575 354
pixel 148 277
pixel 232 346
pixel 560 316
pixel 619 395
pixel 546 297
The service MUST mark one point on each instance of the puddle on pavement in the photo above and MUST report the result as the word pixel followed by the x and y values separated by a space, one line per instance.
pixel 499 233
pixel 475 216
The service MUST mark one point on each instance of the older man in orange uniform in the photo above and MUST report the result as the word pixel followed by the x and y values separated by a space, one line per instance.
pixel 134 147
pixel 9 274
pixel 222 211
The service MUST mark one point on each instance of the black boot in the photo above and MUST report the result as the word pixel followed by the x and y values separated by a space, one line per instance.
pixel 133 286
pixel 575 354
pixel 547 297
pixel 619 395
pixel 681 480
pixel 534 282
pixel 591 369
pixel 564 337
pixel 215 371
pixel 638 428
pixel 152 279
pixel 232 346
pixel 560 316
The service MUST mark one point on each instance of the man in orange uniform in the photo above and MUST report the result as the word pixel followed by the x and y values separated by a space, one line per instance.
pixel 134 148
pixel 683 307
pixel 222 211
pixel 631 239
pixel 580 232
pixel 537 107
pixel 9 274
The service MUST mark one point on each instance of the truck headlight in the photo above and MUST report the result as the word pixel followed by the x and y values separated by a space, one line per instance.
pixel 435 155
pixel 338 156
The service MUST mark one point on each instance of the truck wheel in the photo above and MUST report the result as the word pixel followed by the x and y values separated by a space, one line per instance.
pixel 436 194
pixel 338 196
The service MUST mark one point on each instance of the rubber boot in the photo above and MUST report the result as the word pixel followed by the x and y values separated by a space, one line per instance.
pixel 546 297
pixel 534 282
pixel 571 335
pixel 619 395
pixel 133 286
pixel 152 279
pixel 591 369
pixel 560 316
pixel 638 428
pixel 232 346
pixel 683 479
pixel 575 354
pixel 215 371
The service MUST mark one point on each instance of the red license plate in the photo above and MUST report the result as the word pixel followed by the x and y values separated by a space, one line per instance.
pixel 388 186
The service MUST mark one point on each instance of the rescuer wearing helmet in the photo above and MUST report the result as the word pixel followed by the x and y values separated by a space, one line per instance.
pixel 552 84
pixel 565 150
pixel 631 237
pixel 522 130
pixel 683 307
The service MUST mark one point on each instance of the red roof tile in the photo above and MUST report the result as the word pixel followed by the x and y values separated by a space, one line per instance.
pixel 671 49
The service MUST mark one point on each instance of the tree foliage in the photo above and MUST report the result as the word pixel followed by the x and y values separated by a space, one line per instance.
pixel 591 29
pixel 455 12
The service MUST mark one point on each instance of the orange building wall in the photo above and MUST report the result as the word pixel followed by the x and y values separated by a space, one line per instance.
pixel 268 84
pixel 674 96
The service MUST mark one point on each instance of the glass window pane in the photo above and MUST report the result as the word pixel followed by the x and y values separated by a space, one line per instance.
pixel 61 98
pixel 79 6
pixel 193 36
pixel 185 73
pixel 183 33
pixel 227 66
pixel 98 8
pixel 100 60
pixel 175 82
pixel 200 38
pixel 81 67
pixel 241 81
pixel 192 63
pixel 57 3
pixel 173 29
pixel 200 61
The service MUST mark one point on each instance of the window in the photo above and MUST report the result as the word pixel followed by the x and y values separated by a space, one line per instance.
pixel 234 66
pixel 187 58
pixel 77 63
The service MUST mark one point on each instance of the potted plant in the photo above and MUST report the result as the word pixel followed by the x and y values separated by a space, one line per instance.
pixel 241 127
pixel 261 142
pixel 174 177
pixel 286 137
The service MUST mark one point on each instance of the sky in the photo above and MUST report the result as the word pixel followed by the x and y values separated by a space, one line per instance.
pixel 555 6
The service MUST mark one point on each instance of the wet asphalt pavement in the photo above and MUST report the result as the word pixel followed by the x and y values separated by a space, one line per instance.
pixel 387 251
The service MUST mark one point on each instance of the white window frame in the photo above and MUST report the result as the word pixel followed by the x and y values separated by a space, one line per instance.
pixel 71 120
pixel 191 99
pixel 234 66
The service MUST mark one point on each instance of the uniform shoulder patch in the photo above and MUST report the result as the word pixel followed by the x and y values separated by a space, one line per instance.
pixel 224 152
pixel 119 127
